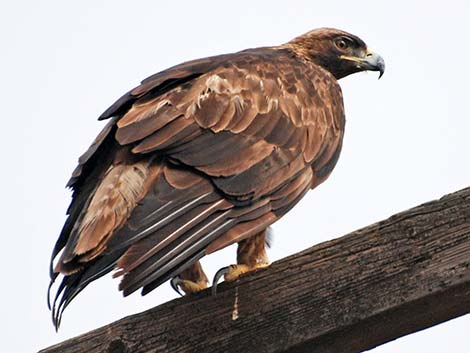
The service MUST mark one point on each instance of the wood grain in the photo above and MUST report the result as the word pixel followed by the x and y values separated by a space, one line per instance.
pixel 392 278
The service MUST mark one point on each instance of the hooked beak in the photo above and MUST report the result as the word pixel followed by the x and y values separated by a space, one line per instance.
pixel 371 61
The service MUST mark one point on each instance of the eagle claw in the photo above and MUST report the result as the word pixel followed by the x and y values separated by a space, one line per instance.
pixel 175 282
pixel 222 272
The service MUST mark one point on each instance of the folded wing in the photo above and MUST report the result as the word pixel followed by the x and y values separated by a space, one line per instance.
pixel 192 163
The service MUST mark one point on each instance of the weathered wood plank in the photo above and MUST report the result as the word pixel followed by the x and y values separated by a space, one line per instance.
pixel 398 276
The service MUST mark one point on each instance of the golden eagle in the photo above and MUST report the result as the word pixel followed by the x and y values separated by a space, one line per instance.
pixel 203 155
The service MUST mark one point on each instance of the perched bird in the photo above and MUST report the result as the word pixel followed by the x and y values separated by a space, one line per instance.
pixel 203 155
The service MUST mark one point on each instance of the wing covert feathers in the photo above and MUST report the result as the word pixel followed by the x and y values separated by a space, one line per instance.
pixel 194 159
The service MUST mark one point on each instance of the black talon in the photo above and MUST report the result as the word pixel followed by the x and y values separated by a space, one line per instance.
pixel 174 284
pixel 223 271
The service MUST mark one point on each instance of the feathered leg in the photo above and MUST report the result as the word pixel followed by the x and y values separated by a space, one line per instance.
pixel 251 255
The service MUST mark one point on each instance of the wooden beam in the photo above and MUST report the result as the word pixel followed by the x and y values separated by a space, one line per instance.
pixel 392 278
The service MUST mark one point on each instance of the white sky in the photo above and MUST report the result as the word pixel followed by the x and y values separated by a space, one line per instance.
pixel 63 63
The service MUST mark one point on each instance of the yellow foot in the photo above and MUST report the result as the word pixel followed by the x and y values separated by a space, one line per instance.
pixel 187 286
pixel 233 272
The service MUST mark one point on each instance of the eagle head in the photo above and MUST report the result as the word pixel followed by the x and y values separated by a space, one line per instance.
pixel 339 52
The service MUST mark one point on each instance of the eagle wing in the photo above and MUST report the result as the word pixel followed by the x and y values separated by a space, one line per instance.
pixel 195 159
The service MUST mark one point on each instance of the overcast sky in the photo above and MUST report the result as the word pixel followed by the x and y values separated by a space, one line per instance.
pixel 63 63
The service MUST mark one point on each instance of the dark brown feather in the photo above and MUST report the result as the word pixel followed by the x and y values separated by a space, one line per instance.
pixel 215 150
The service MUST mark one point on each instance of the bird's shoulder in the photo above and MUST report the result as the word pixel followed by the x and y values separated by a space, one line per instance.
pixel 266 63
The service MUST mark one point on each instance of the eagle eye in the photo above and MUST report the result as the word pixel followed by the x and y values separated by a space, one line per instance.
pixel 342 43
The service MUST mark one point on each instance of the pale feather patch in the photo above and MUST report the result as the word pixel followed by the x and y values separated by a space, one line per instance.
pixel 143 111
pixel 110 207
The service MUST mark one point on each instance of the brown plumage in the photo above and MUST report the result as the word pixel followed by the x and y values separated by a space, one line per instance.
pixel 203 155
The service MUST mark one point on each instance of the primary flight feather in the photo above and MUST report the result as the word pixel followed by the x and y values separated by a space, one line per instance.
pixel 203 155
